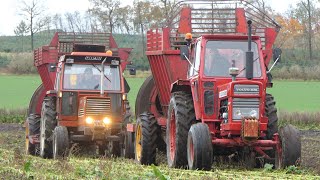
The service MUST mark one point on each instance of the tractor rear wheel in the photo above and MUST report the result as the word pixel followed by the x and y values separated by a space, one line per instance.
pixel 127 150
pixel 180 117
pixel 60 142
pixel 47 124
pixel 129 145
pixel 199 147
pixel 291 147
pixel 271 113
pixel 147 129
pixel 32 128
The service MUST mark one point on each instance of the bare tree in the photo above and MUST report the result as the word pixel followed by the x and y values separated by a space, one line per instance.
pixel 105 11
pixel 57 21
pixel 33 12
pixel 307 6
pixel 70 21
pixel 304 12
pixel 124 19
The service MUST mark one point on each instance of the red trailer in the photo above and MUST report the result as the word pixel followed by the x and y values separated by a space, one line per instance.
pixel 207 93
pixel 83 95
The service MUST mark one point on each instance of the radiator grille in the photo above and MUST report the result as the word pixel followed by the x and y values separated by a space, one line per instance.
pixel 98 106
pixel 246 102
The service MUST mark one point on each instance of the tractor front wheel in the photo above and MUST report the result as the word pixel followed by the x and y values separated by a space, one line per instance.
pixel 60 142
pixel 147 129
pixel 290 147
pixel 47 124
pixel 32 128
pixel 180 117
pixel 199 149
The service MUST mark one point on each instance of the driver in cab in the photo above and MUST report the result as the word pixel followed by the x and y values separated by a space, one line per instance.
pixel 215 63
pixel 88 81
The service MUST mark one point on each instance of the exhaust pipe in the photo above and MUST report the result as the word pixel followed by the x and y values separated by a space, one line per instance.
pixel 249 53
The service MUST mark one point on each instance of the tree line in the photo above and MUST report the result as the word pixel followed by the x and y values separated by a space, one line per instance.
pixel 299 35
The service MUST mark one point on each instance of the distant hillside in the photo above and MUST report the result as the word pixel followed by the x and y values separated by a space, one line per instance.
pixel 19 44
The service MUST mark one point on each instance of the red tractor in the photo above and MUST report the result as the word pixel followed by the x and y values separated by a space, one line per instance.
pixel 207 94
pixel 82 98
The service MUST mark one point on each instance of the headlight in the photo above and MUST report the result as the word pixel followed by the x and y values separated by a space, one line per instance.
pixel 239 113
pixel 89 120
pixel 106 120
pixel 253 113
pixel 124 97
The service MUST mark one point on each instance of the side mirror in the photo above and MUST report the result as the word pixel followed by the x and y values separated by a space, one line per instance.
pixel 132 71
pixel 184 52
pixel 277 54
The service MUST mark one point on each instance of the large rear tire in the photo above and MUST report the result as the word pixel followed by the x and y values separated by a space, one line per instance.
pixel 146 139
pixel 32 128
pixel 180 117
pixel 47 124
pixel 60 142
pixel 199 147
pixel 129 145
pixel 291 147
pixel 127 137
pixel 271 113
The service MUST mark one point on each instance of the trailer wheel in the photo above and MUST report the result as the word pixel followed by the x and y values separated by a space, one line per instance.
pixel 146 139
pixel 60 142
pixel 291 147
pixel 143 96
pixel 47 124
pixel 271 113
pixel 199 147
pixel 148 99
pixel 32 128
pixel 180 117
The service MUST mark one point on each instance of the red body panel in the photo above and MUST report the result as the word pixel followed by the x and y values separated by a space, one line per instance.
pixel 166 67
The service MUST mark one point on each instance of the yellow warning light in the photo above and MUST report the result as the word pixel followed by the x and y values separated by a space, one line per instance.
pixel 188 36
pixel 109 53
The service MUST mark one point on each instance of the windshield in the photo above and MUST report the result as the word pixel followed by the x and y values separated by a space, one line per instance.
pixel 87 77
pixel 221 55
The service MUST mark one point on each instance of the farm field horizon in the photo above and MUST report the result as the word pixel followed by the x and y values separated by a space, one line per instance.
pixel 292 96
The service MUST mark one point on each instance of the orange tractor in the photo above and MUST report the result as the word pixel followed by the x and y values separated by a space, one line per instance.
pixel 207 95
pixel 82 98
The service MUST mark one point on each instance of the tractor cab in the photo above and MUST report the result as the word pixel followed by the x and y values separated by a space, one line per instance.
pixel 91 92
pixel 218 68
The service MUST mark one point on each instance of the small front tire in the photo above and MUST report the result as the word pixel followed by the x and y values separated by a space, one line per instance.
pixel 291 147
pixel 60 142
pixel 199 147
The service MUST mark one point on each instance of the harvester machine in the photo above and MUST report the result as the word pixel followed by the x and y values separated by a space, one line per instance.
pixel 82 98
pixel 207 96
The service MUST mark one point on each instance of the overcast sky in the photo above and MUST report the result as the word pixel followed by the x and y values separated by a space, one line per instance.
pixel 9 10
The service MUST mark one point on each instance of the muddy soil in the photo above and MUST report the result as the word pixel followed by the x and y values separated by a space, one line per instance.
pixel 11 136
